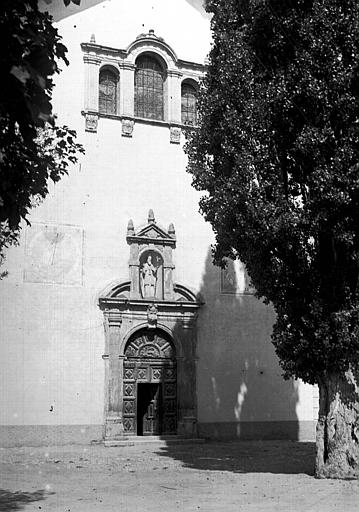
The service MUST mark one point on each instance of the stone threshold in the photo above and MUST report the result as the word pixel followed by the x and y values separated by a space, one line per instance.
pixel 159 440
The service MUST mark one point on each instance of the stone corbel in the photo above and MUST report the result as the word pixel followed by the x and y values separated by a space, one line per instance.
pixel 175 135
pixel 127 127
pixel 91 121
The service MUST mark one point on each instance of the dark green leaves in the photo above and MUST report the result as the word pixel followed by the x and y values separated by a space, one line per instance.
pixel 277 151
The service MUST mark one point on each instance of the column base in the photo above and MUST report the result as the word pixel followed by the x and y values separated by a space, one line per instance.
pixel 187 427
pixel 114 429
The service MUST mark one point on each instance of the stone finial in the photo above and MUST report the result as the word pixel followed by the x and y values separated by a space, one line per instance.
pixel 171 230
pixel 151 216
pixel 130 228
pixel 151 32
pixel 93 39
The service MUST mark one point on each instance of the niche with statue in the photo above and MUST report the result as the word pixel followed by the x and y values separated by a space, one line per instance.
pixel 151 274
pixel 151 265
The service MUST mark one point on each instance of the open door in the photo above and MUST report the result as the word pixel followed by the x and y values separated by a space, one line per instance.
pixel 149 409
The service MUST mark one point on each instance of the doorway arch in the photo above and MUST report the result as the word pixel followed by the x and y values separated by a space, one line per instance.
pixel 150 384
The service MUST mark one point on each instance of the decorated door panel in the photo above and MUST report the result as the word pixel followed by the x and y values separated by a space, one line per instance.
pixel 150 385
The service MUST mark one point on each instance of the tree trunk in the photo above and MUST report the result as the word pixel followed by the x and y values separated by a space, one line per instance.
pixel 338 427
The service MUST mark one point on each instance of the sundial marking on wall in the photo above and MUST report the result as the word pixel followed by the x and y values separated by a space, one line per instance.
pixel 53 254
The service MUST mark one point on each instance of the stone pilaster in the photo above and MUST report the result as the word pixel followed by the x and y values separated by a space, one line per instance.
pixel 174 96
pixel 127 88
pixel 114 371
pixel 92 63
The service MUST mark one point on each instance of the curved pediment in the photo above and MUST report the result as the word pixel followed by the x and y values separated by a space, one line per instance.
pixel 151 42
pixel 116 290
pixel 184 294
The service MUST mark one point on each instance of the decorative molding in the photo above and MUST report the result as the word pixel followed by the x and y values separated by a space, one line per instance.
pixel 174 73
pixel 127 127
pixel 152 312
pixel 114 318
pixel 92 59
pixel 127 65
pixel 91 122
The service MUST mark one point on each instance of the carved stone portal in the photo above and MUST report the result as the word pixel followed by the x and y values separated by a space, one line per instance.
pixel 150 343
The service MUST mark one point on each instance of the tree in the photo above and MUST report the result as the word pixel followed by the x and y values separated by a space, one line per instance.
pixel 277 152
pixel 33 148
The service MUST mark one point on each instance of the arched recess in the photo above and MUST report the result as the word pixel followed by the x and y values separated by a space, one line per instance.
pixel 189 93
pixel 150 87
pixel 109 90
pixel 150 384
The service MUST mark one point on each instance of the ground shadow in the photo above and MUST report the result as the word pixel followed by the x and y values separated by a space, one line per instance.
pixel 241 394
pixel 17 500
pixel 284 457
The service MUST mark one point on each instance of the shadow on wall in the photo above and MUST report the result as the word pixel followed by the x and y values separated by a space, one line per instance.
pixel 241 392
pixel 17 500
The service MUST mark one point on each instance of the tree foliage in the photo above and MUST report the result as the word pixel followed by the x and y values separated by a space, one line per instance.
pixel 33 148
pixel 277 151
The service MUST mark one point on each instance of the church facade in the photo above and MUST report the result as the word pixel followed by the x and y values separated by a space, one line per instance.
pixel 114 321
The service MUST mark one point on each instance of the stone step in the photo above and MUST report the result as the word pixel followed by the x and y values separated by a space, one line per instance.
pixel 145 440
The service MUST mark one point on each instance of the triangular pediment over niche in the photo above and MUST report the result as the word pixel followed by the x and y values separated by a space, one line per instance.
pixel 151 232
pixel 154 232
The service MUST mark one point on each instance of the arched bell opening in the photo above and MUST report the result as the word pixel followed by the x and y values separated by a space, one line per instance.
pixel 150 384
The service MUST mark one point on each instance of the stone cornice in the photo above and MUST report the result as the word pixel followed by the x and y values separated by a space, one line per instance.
pixel 191 65
pixel 94 50
pixel 98 49
pixel 92 59
pixel 149 240
pixel 116 305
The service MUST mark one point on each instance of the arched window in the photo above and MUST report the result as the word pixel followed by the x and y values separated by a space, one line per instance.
pixel 107 92
pixel 188 104
pixel 149 78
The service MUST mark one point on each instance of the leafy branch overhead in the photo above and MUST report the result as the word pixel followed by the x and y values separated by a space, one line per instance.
pixel 33 148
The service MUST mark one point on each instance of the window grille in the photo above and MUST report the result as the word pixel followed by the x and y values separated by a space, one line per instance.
pixel 188 104
pixel 108 92
pixel 149 78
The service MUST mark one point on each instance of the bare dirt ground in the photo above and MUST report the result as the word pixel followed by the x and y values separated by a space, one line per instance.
pixel 214 476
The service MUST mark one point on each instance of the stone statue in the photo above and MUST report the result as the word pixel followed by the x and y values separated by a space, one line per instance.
pixel 148 278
